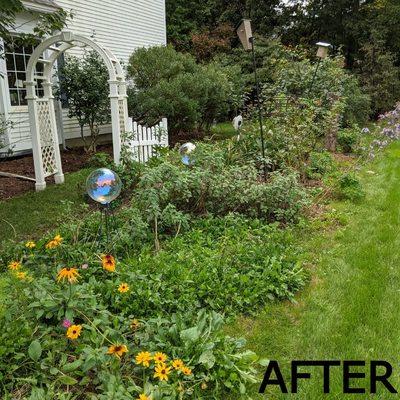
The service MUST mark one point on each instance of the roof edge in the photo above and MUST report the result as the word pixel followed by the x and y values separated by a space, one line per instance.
pixel 41 6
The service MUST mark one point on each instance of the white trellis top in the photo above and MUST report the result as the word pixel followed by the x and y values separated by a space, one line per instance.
pixel 43 126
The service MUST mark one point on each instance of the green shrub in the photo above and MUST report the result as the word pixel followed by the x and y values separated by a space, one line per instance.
pixel 220 181
pixel 170 84
pixel 348 139
pixel 84 83
pixel 320 163
pixel 350 187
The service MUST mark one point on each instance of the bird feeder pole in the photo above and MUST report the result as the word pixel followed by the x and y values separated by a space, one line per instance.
pixel 246 37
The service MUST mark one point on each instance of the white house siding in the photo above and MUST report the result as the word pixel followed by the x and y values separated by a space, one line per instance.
pixel 120 25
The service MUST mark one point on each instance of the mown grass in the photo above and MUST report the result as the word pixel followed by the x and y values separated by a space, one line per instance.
pixel 223 130
pixel 32 214
pixel 350 309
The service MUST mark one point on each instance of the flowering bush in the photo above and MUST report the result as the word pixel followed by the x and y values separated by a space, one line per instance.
pixel 389 132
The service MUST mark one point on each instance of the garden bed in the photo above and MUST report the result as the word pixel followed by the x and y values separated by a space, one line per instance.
pixel 72 160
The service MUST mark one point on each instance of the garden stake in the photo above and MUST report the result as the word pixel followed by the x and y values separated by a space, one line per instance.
pixel 260 113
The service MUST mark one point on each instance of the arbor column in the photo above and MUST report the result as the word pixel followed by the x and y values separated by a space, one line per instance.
pixel 116 129
pixel 35 136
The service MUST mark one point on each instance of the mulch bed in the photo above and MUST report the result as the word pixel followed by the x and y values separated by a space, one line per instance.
pixel 72 160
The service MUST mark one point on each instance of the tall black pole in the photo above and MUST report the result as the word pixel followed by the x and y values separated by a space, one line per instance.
pixel 315 75
pixel 260 113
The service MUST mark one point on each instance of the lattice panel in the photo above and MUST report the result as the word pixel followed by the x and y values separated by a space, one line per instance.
pixel 121 110
pixel 46 137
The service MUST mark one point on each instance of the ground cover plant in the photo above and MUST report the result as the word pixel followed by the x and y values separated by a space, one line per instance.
pixel 69 318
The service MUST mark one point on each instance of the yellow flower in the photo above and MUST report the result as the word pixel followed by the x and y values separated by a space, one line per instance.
pixel 117 350
pixel 144 358
pixel 135 324
pixel 123 288
pixel 71 274
pixel 21 275
pixel 74 332
pixel 108 262
pixel 177 364
pixel 143 397
pixel 14 266
pixel 162 372
pixel 30 244
pixel 58 239
pixel 52 244
pixel 186 370
pixel 160 358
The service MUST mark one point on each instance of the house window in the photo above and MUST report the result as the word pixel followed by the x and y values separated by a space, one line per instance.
pixel 17 57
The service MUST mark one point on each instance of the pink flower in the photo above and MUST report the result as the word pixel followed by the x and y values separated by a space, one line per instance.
pixel 66 323
pixel 84 266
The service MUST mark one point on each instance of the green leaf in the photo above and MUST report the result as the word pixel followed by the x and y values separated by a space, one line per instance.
pixel 264 362
pixel 190 335
pixel 67 380
pixel 72 366
pixel 35 350
pixel 207 358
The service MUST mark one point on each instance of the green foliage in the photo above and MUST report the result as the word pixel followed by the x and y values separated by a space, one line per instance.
pixel 350 188
pixel 222 180
pixel 321 163
pixel 84 82
pixel 379 75
pixel 246 262
pixel 348 139
pixel 170 84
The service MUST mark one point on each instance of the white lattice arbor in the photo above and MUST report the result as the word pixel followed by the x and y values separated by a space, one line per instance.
pixel 46 151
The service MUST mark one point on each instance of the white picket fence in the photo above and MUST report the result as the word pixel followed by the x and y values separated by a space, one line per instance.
pixel 143 139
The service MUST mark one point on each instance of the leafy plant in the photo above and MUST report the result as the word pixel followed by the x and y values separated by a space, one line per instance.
pixel 170 84
pixel 84 82
pixel 350 187
pixel 348 139
pixel 320 164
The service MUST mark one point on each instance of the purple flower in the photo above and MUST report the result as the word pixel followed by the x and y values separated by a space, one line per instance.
pixel 66 323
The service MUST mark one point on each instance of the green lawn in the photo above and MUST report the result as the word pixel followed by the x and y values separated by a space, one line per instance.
pixel 223 130
pixel 351 309
pixel 33 213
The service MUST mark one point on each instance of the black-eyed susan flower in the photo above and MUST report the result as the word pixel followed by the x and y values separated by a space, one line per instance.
pixel 143 358
pixel 161 371
pixel 14 266
pixel 55 242
pixel 108 262
pixel 118 350
pixel 123 288
pixel 70 274
pixel 177 364
pixel 160 358
pixel 186 370
pixel 143 397
pixel 74 331
pixel 21 275
pixel 30 244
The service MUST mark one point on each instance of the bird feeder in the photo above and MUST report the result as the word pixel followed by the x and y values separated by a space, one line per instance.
pixel 245 34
